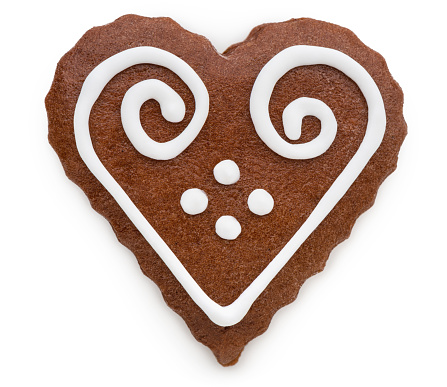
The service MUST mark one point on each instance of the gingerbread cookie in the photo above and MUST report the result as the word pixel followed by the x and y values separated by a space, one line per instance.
pixel 230 176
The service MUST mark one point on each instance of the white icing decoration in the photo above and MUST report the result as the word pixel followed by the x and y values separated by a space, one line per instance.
pixel 227 227
pixel 260 202
pixel 292 118
pixel 171 104
pixel 226 172
pixel 289 58
pixel 172 108
pixel 293 114
pixel 194 201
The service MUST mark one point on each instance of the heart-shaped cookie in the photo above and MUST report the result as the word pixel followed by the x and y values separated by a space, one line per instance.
pixel 230 176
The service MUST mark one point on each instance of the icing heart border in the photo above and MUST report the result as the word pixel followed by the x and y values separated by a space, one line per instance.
pixel 299 55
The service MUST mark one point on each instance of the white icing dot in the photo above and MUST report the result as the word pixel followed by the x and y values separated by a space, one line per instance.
pixel 227 227
pixel 260 202
pixel 194 201
pixel 227 172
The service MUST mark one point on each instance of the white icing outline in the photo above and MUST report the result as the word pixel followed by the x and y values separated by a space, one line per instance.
pixel 289 58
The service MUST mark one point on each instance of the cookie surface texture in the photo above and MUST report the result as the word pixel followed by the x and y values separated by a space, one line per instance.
pixel 231 176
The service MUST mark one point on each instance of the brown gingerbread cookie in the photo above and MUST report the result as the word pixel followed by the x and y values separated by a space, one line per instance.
pixel 230 176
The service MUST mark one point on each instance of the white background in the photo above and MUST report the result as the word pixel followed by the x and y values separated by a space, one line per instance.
pixel 75 309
